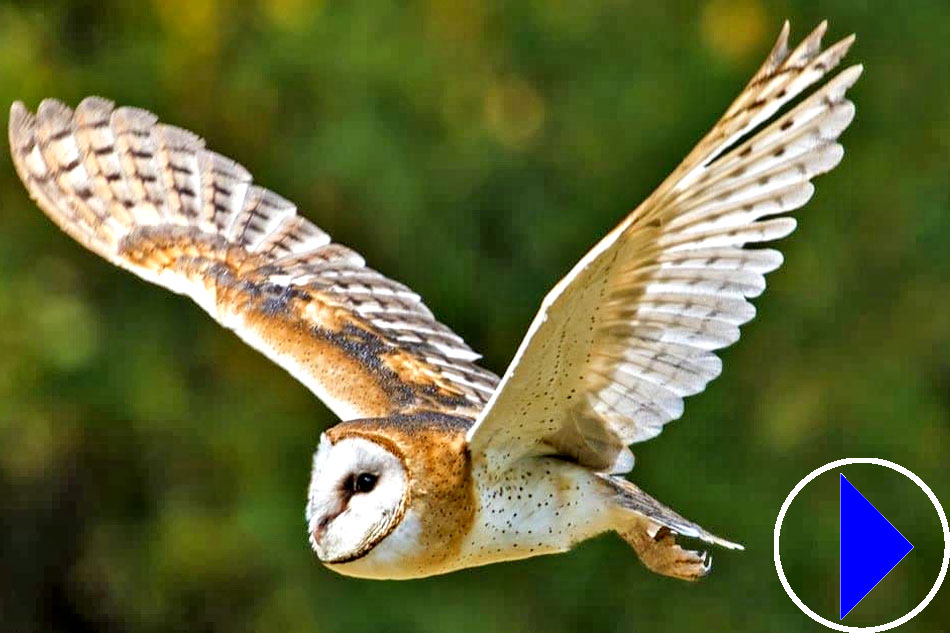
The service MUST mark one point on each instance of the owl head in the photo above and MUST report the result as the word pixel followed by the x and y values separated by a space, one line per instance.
pixel 359 491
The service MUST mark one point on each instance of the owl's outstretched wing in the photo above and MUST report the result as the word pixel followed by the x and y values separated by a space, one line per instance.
pixel 150 198
pixel 630 331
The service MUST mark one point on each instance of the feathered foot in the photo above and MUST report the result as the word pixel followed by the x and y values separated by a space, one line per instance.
pixel 661 553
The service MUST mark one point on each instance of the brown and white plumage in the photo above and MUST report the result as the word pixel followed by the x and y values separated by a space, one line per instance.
pixel 437 464
pixel 150 198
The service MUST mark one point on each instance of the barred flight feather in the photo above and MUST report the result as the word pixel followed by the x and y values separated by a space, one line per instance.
pixel 150 198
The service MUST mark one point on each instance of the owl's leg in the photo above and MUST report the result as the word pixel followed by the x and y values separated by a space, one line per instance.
pixel 651 529
pixel 658 551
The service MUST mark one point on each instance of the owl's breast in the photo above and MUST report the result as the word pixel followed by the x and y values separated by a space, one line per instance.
pixel 540 505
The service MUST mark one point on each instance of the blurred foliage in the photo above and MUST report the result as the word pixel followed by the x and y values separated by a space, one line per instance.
pixel 152 468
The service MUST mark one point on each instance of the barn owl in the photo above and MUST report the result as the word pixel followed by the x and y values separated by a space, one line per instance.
pixel 438 464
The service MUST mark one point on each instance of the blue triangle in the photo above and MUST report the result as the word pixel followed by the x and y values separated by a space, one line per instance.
pixel 870 547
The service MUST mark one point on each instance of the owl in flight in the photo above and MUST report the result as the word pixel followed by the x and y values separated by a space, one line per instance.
pixel 438 464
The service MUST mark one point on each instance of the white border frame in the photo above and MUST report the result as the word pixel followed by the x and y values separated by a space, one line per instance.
pixel 920 484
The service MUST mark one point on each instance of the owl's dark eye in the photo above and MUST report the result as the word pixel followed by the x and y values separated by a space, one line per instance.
pixel 365 482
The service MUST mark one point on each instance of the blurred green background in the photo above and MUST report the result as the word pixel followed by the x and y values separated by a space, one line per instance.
pixel 153 468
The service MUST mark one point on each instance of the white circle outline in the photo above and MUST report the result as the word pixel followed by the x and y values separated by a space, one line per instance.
pixel 920 484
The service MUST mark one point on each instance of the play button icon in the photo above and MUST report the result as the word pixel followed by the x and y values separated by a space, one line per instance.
pixel 870 547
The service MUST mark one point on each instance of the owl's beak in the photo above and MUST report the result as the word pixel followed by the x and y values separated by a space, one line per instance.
pixel 318 528
pixel 321 527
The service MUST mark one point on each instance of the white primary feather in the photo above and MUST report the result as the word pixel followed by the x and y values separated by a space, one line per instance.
pixel 632 328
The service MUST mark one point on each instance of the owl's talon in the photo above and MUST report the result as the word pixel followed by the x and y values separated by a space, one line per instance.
pixel 663 555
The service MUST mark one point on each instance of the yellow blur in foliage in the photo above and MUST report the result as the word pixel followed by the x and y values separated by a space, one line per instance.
pixel 734 29
pixel 292 15
pixel 514 111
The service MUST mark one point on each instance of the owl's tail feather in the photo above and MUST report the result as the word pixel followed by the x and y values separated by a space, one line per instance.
pixel 651 529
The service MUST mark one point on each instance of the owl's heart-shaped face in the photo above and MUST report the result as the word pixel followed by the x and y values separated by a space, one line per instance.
pixel 358 494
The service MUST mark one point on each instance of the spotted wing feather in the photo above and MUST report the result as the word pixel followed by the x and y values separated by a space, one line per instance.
pixel 631 330
pixel 152 199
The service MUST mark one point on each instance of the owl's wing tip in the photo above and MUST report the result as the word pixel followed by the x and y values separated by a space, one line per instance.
pixel 718 541
pixel 20 130
pixel 18 116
